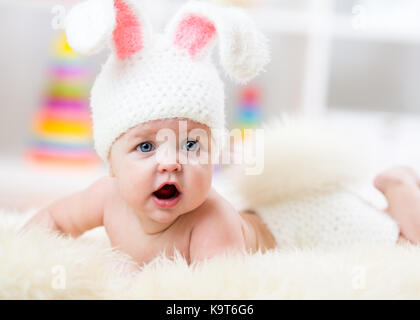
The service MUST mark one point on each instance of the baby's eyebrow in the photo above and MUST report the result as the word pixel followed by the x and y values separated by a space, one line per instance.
pixel 143 133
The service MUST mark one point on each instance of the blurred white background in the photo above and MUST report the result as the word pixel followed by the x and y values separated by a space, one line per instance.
pixel 355 61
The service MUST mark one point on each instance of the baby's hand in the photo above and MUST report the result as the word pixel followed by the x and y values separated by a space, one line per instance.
pixel 42 219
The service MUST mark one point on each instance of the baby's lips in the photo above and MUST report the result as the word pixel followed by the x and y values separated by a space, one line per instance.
pixel 167 203
pixel 178 188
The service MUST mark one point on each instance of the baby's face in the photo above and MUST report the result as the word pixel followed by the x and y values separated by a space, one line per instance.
pixel 152 173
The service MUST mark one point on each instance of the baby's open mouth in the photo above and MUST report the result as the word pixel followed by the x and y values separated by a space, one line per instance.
pixel 167 196
pixel 168 191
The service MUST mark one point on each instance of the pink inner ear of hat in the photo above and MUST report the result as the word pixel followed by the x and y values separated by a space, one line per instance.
pixel 128 37
pixel 193 33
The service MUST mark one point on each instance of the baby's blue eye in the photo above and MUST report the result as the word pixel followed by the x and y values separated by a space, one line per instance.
pixel 191 145
pixel 145 147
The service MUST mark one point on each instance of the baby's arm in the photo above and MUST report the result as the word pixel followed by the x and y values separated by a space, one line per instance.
pixel 76 213
pixel 215 234
pixel 401 187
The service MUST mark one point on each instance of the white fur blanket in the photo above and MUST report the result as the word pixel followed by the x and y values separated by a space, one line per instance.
pixel 39 265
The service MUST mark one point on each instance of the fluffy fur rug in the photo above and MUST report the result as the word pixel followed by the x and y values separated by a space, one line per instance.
pixel 39 265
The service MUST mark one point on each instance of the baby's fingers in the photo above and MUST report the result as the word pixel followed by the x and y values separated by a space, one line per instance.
pixel 41 219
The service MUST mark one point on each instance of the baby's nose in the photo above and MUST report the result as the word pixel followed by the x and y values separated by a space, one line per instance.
pixel 170 167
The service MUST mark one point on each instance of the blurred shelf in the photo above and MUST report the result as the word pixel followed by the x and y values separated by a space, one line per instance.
pixel 336 25
pixel 284 21
pixel 393 137
pixel 382 31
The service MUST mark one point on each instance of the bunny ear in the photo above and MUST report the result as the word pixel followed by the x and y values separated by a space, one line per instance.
pixel 243 49
pixel 130 35
pixel 194 33
pixel 192 30
pixel 90 25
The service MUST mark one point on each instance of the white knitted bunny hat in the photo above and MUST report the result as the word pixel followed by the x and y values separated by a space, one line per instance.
pixel 157 76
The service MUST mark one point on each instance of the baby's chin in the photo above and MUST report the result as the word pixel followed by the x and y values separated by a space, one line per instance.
pixel 166 216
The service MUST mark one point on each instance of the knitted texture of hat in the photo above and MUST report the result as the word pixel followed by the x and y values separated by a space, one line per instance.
pixel 171 75
pixel 171 88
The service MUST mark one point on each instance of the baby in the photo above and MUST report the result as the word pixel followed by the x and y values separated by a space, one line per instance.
pixel 148 206
pixel 157 106
pixel 152 87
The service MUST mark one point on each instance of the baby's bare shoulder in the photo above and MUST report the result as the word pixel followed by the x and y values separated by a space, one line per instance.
pixel 104 191
pixel 215 210
pixel 217 229
pixel 104 184
pixel 103 188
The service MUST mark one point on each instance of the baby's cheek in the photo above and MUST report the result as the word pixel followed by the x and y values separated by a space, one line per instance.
pixel 200 178
pixel 135 185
